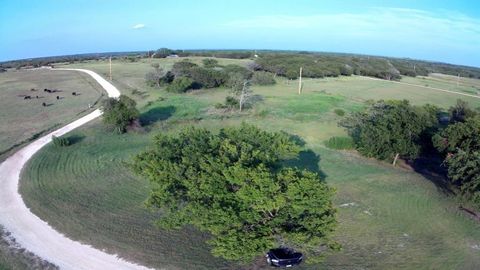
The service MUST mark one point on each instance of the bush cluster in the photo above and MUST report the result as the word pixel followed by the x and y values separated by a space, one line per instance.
pixel 186 75
pixel 60 141
pixel 339 112
pixel 180 85
pixel 230 103
pixel 119 113
pixel 263 78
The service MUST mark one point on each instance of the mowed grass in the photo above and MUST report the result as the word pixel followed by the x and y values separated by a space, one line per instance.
pixel 21 120
pixel 447 82
pixel 361 89
pixel 388 218
pixel 90 194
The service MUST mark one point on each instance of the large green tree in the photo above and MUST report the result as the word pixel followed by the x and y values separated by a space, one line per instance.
pixel 119 113
pixel 460 142
pixel 390 128
pixel 232 185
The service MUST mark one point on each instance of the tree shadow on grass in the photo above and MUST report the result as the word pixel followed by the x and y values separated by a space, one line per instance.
pixel 73 139
pixel 307 160
pixel 156 114
pixel 431 168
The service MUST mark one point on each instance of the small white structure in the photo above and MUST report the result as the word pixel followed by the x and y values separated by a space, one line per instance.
pixel 173 56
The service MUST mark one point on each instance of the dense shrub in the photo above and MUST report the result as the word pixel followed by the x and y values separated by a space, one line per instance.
pixel 263 78
pixel 339 112
pixel 233 69
pixel 209 63
pixel 60 141
pixel 180 85
pixel 461 111
pixel 460 145
pixel 201 77
pixel 119 113
pixel 340 143
pixel 182 68
pixel 235 82
pixel 207 78
pixel 388 128
pixel 158 77
pixel 231 102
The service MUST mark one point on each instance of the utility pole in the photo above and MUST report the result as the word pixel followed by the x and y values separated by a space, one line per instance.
pixel 300 82
pixel 110 60
pixel 458 78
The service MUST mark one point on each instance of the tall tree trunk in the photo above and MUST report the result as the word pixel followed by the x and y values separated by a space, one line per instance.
pixel 395 159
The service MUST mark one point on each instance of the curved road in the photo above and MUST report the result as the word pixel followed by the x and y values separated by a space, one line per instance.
pixel 36 235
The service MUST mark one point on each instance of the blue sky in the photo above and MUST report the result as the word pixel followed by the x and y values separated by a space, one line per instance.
pixel 447 31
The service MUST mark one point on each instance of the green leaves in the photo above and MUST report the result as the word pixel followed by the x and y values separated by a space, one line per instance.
pixel 119 113
pixel 391 127
pixel 460 135
pixel 461 144
pixel 231 184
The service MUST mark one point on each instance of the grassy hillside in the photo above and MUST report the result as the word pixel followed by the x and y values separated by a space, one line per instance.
pixel 22 120
pixel 389 217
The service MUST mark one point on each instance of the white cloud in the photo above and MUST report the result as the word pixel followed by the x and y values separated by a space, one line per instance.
pixel 138 26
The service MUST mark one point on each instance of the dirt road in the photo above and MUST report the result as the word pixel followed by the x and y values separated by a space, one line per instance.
pixel 36 235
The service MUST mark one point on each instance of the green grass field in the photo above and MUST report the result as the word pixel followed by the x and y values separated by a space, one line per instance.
pixel 22 120
pixel 389 218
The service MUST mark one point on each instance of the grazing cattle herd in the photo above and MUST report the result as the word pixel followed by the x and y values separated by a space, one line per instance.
pixel 49 91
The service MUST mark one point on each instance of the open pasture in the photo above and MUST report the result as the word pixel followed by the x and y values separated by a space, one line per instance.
pixel 389 218
pixel 24 117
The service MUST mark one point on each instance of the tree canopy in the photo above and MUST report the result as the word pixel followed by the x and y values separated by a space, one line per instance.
pixel 209 63
pixel 461 111
pixel 180 85
pixel 388 128
pixel 119 113
pixel 460 142
pixel 232 184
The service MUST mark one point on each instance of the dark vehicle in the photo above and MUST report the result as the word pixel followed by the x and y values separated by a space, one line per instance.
pixel 284 257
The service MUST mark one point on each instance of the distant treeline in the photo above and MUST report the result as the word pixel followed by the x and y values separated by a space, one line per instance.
pixel 286 63
pixel 318 65
pixel 46 61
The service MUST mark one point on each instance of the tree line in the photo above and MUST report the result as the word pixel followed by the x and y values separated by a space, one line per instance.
pixel 389 130
pixel 316 64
